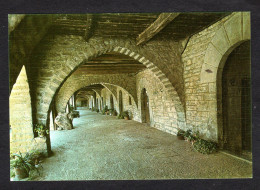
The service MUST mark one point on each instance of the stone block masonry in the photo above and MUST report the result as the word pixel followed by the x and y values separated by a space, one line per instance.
pixel 203 58
pixel 21 132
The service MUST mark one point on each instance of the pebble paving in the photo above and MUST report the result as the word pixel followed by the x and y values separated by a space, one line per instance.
pixel 103 147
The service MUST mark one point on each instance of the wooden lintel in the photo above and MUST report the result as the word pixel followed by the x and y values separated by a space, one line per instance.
pixel 155 27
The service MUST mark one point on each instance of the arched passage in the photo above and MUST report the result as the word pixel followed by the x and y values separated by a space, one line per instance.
pixel 145 113
pixel 85 51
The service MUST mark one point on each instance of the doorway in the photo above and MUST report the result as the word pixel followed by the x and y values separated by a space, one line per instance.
pixel 236 101
pixel 120 102
pixel 111 102
pixel 145 113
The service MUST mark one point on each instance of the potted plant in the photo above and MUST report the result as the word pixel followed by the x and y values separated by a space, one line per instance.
pixel 114 113
pixel 97 110
pixel 22 165
pixel 180 134
pixel 106 110
pixel 120 116
pixel 93 109
pixel 187 134
pixel 111 111
pixel 125 115
pixel 41 130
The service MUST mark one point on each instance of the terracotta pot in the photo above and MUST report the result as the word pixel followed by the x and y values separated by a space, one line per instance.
pixel 180 137
pixel 126 118
pixel 21 173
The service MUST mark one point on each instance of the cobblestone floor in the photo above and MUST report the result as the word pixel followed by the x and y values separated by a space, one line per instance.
pixel 107 148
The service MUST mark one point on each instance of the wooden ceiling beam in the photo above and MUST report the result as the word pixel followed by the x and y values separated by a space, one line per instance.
pixel 155 27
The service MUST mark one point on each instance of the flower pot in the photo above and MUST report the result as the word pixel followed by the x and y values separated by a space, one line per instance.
pixel 21 173
pixel 180 137
pixel 126 118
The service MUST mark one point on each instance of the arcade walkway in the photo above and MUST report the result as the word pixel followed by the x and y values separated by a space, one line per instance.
pixel 104 147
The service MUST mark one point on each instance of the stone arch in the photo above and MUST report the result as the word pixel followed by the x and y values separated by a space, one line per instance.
pixel 161 76
pixel 71 60
pixel 230 35
pixel 111 89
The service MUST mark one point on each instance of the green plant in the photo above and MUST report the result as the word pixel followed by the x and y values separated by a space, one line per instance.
pixel 93 109
pixel 187 134
pixel 97 110
pixel 111 111
pixel 23 163
pixel 180 132
pixel 41 129
pixel 125 114
pixel 204 146
pixel 120 116
pixel 114 113
pixel 103 112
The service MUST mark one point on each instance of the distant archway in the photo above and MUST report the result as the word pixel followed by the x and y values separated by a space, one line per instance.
pixel 145 113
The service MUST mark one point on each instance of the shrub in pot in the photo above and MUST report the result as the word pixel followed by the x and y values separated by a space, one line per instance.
pixel 22 165
pixel 180 134
pixel 114 113
pixel 41 130
pixel 120 116
pixel 125 115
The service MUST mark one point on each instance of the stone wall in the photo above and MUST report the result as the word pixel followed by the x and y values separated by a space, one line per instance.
pixel 110 90
pixel 132 109
pixel 204 55
pixel 163 114
pixel 25 32
pixel 21 132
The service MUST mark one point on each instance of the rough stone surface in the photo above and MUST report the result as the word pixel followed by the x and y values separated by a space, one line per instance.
pixel 63 121
pixel 105 148
pixel 21 132
pixel 162 110
pixel 203 58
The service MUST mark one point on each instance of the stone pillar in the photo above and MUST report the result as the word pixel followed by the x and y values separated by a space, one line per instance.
pixel 21 133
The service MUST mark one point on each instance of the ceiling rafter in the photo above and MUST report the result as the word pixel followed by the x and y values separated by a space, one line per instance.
pixel 156 27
